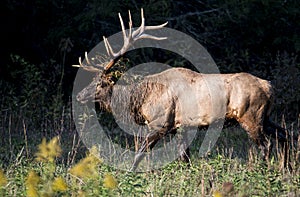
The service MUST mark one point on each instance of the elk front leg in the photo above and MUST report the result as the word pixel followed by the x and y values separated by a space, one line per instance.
pixel 184 151
pixel 148 143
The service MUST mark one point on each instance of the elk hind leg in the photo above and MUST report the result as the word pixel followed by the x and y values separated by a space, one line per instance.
pixel 254 129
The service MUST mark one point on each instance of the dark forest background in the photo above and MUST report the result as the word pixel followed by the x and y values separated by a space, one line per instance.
pixel 41 39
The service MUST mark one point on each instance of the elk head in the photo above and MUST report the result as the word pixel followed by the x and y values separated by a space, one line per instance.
pixel 100 89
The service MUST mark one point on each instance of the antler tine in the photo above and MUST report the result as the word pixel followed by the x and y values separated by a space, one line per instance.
pixel 130 24
pixel 80 62
pixel 93 67
pixel 142 23
pixel 156 26
pixel 106 47
pixel 123 27
pixel 109 48
pixel 85 67
pixel 149 37
pixel 139 33
pixel 87 59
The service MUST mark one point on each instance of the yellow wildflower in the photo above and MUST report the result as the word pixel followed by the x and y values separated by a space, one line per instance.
pixel 32 192
pixel 109 182
pixel 31 183
pixel 91 159
pixel 32 179
pixel 3 180
pixel 217 194
pixel 94 151
pixel 48 151
pixel 86 168
pixel 78 170
pixel 59 185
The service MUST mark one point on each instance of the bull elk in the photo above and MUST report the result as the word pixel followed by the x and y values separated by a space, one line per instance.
pixel 158 100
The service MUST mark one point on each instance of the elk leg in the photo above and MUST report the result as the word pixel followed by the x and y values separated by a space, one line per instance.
pixel 149 142
pixel 262 142
pixel 255 132
pixel 184 151
pixel 265 147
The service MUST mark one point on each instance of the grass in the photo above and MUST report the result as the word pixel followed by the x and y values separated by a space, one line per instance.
pixel 205 177
pixel 60 165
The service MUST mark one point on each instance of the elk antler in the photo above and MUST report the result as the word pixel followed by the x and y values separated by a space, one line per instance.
pixel 128 39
